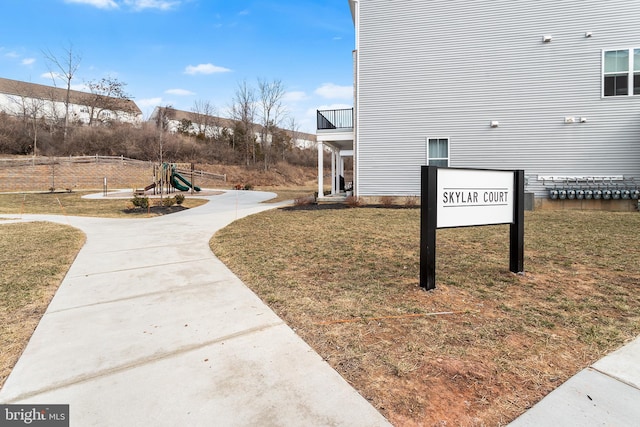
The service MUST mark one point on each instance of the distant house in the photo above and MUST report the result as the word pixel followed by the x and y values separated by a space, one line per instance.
pixel 32 100
pixel 193 123
pixel 551 87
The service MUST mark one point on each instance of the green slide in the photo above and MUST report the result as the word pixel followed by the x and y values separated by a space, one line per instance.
pixel 185 185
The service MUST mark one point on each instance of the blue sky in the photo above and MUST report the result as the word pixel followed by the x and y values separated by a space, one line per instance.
pixel 177 52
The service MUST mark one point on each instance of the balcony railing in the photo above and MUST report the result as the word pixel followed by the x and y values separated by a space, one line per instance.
pixel 335 119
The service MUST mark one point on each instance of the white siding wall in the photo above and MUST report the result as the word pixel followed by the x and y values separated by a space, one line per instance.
pixel 430 68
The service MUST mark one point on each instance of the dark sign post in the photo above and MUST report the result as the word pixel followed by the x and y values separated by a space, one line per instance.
pixel 428 216
pixel 516 230
pixel 454 197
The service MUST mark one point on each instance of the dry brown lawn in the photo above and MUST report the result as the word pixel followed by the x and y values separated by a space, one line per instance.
pixel 74 205
pixel 34 258
pixel 480 349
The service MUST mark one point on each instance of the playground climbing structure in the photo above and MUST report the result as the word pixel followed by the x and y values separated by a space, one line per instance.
pixel 167 179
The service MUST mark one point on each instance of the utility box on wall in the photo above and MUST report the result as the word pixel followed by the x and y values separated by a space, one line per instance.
pixel 529 201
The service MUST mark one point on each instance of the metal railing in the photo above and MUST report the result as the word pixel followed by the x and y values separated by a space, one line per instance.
pixel 335 119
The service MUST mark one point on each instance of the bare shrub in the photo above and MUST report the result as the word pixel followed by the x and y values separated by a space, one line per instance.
pixel 304 201
pixel 169 201
pixel 387 201
pixel 354 202
pixel 303 156
pixel 411 201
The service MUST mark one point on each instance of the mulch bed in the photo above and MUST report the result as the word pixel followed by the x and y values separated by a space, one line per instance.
pixel 316 207
pixel 158 210
pixel 329 206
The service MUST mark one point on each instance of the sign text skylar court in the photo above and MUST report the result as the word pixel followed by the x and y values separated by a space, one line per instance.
pixel 466 197
pixel 454 197
pixel 457 197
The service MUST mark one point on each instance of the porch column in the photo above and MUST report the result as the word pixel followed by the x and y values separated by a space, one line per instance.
pixel 320 169
pixel 340 169
pixel 333 171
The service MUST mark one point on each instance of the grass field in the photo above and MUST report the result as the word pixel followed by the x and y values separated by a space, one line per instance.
pixel 347 281
pixel 35 257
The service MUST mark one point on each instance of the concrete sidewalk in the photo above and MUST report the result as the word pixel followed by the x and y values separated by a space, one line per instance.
pixel 149 328
pixel 605 394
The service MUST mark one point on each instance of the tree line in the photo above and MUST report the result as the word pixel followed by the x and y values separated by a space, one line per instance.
pixel 254 134
pixel 147 141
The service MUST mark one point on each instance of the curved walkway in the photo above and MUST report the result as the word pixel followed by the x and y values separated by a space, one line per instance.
pixel 149 328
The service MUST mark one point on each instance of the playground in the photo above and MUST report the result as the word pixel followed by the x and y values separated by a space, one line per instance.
pixel 167 178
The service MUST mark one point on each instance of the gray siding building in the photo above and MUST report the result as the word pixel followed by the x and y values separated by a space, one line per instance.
pixel 548 86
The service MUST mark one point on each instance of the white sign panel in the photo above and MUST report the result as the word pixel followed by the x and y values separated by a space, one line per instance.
pixel 474 197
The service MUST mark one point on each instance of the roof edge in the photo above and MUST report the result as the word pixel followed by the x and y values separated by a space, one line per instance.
pixel 352 6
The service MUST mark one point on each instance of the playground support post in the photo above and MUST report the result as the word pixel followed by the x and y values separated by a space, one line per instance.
pixel 193 184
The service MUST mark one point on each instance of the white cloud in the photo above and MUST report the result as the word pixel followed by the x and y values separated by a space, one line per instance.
pixel 149 102
pixel 152 4
pixel 12 55
pixel 148 105
pixel 294 96
pixel 137 5
pixel 100 4
pixel 28 61
pixel 179 92
pixel 52 76
pixel 244 12
pixel 205 69
pixel 333 91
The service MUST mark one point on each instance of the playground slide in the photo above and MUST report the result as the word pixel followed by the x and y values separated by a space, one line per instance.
pixel 175 177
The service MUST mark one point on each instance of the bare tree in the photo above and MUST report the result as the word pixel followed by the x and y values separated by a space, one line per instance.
pixel 52 115
pixel 30 107
pixel 204 117
pixel 271 114
pixel 107 94
pixel 165 114
pixel 243 111
pixel 294 135
pixel 33 111
pixel 66 67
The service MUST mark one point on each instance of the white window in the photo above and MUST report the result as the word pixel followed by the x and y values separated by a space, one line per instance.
pixel 621 72
pixel 438 152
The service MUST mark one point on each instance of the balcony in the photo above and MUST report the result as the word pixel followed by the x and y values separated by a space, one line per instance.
pixel 335 120
pixel 334 135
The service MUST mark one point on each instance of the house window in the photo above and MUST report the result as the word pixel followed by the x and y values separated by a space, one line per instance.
pixel 438 152
pixel 621 72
